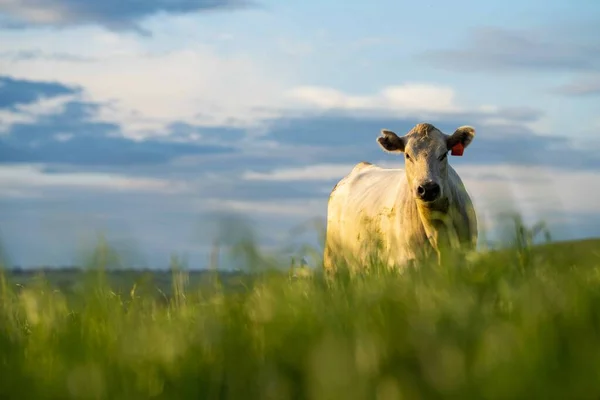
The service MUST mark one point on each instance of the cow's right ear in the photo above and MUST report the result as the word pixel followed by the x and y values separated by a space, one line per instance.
pixel 390 142
pixel 462 136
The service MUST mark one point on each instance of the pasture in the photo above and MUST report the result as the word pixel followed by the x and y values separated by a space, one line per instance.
pixel 519 323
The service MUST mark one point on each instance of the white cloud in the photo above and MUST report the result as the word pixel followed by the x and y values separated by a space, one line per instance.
pixel 31 180
pixel 408 97
pixel 149 89
pixel 28 113
pixel 150 82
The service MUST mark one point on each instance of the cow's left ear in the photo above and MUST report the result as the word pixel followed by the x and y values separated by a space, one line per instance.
pixel 462 136
pixel 390 142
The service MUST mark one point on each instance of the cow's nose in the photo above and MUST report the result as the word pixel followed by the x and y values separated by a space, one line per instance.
pixel 428 191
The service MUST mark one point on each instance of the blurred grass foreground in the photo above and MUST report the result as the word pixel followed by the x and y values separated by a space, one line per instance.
pixel 518 323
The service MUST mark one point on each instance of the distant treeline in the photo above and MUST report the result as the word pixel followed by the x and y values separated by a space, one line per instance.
pixel 18 270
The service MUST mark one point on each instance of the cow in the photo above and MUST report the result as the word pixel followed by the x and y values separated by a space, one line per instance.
pixel 415 212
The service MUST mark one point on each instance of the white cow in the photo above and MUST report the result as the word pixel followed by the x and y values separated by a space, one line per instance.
pixel 415 212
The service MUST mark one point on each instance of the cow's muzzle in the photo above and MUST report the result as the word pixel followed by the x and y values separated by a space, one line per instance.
pixel 428 191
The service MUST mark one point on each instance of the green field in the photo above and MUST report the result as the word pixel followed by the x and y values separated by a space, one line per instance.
pixel 521 323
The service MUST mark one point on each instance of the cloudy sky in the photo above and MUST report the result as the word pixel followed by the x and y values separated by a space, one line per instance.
pixel 145 120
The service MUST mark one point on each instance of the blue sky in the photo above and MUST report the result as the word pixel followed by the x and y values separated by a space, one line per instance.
pixel 147 120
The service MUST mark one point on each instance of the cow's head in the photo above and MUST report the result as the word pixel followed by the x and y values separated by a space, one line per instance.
pixel 426 150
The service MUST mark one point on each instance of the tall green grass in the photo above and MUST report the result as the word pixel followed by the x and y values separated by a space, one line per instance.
pixel 520 323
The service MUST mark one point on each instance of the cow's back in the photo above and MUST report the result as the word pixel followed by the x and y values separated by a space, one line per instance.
pixel 365 202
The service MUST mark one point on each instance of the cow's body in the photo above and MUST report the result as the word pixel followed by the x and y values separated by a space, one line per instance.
pixel 374 200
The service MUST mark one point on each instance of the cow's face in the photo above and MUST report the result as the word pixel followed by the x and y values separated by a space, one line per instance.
pixel 425 151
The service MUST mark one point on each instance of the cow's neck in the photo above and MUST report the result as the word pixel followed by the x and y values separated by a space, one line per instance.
pixel 438 222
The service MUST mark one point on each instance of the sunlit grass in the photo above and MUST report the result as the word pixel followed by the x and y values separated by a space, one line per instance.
pixel 520 323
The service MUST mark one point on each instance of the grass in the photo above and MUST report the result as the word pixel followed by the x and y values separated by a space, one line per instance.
pixel 513 324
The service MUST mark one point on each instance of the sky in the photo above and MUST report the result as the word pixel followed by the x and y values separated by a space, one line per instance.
pixel 147 122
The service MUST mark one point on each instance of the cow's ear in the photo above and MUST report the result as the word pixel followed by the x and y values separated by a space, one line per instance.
pixel 462 136
pixel 389 141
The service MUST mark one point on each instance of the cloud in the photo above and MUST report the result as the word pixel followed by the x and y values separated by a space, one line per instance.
pixel 500 50
pixel 112 14
pixel 74 137
pixel 586 86
pixel 25 101
pixel 409 97
pixel 200 84
pixel 27 180
pixel 148 91
pixel 409 101
pixel 18 92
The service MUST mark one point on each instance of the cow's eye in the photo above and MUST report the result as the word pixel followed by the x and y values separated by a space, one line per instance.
pixel 441 158
pixel 407 156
